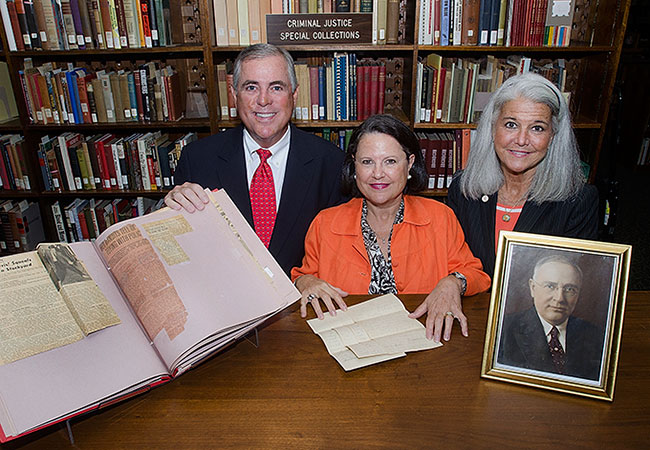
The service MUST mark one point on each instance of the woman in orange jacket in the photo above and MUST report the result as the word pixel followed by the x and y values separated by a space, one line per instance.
pixel 385 240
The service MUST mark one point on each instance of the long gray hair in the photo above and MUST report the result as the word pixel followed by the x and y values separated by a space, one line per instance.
pixel 263 51
pixel 557 177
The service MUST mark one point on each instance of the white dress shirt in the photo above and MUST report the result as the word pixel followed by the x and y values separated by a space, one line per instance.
pixel 277 161
pixel 561 328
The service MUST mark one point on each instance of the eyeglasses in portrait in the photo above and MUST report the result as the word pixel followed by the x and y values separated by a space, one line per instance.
pixel 556 313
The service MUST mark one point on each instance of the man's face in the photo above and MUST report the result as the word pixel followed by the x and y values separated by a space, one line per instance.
pixel 264 99
pixel 555 289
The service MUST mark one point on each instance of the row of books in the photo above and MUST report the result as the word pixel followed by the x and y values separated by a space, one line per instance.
pixel 21 226
pixel 93 24
pixel 14 170
pixel 243 22
pixel 334 88
pixel 338 137
pixel 456 90
pixel 141 161
pixel 444 153
pixel 85 219
pixel 76 95
pixel 496 22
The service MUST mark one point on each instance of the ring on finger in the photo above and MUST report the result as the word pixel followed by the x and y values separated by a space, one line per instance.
pixel 310 297
pixel 449 313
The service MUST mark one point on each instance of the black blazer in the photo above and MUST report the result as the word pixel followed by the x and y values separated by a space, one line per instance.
pixel 311 183
pixel 523 344
pixel 576 217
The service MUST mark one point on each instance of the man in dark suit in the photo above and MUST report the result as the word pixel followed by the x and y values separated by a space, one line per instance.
pixel 547 337
pixel 303 170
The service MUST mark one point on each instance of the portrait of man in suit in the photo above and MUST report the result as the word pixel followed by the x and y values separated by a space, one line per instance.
pixel 279 176
pixel 547 337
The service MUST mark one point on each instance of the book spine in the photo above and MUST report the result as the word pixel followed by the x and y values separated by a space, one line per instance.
pixel 114 25
pixel 121 22
pixel 76 21
pixel 32 26
pixel 24 27
pixel 11 25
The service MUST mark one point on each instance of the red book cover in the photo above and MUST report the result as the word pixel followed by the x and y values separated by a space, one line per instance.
pixel 381 91
pixel 366 91
pixel 152 171
pixel 84 226
pixel 82 92
pixel 101 160
pixel 426 150
pixel 465 147
pixel 435 13
pixel 360 87
pixel 451 160
pixel 442 162
pixel 434 159
pixel 176 96
pixel 374 89
pixel 106 23
pixel 527 19
pixel 110 162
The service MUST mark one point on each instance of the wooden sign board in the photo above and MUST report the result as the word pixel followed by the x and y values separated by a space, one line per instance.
pixel 316 29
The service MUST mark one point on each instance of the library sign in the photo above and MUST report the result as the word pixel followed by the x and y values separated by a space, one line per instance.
pixel 315 29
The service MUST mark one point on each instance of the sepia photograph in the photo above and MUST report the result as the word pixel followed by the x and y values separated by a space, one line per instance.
pixel 556 313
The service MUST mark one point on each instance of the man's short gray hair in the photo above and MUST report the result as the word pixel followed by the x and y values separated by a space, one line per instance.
pixel 263 51
pixel 557 259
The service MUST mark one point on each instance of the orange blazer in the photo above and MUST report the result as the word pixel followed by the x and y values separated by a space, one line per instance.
pixel 426 247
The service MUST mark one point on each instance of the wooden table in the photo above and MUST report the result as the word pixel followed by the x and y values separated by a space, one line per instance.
pixel 290 393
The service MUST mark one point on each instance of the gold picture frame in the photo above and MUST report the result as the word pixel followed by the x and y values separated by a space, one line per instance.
pixel 542 281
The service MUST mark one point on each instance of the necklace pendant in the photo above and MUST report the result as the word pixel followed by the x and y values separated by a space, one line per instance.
pixel 506 217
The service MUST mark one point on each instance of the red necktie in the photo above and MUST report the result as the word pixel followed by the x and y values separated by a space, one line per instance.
pixel 263 198
pixel 557 352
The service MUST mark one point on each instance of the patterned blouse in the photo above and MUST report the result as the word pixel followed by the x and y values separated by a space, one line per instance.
pixel 382 279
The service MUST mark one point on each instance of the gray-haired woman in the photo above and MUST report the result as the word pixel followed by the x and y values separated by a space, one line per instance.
pixel 524 171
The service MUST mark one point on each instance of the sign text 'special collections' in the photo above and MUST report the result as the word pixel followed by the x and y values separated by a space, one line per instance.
pixel 314 29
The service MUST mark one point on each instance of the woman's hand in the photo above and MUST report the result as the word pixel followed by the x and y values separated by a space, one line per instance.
pixel 442 306
pixel 313 289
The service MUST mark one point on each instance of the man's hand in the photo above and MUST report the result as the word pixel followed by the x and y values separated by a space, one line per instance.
pixel 188 196
pixel 314 289
pixel 442 306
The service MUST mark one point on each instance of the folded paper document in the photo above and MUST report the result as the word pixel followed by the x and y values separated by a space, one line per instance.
pixel 373 331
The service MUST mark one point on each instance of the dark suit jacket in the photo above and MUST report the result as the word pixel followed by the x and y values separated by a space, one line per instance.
pixel 311 183
pixel 576 217
pixel 523 344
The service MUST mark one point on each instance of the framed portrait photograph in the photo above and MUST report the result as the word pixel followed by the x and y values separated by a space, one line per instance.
pixel 556 313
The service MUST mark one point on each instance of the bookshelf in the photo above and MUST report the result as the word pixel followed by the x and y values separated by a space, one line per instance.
pixel 598 56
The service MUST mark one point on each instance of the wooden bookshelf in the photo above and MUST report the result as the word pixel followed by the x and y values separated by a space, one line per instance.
pixel 599 61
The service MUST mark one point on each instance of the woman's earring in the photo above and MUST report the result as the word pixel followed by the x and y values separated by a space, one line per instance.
pixel 408 177
pixel 355 176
